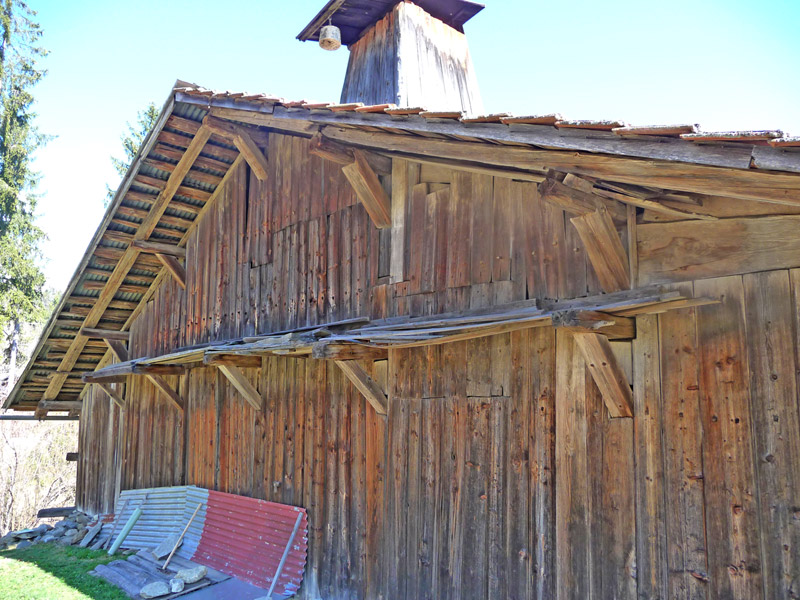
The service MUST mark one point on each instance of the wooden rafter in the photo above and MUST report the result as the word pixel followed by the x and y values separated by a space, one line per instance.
pixel 126 263
pixel 368 387
pixel 234 360
pixel 242 384
pixel 604 250
pixel 139 307
pixel 607 373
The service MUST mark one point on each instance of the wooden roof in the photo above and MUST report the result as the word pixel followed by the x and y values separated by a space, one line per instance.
pixel 353 17
pixel 183 162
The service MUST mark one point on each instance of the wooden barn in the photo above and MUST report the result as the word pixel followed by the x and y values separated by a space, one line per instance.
pixel 492 356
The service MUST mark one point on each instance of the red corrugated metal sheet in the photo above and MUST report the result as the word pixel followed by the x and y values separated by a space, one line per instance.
pixel 246 538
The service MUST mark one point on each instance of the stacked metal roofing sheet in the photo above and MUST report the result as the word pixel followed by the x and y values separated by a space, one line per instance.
pixel 240 536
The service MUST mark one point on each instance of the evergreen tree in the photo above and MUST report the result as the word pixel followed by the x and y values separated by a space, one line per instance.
pixel 21 277
pixel 132 140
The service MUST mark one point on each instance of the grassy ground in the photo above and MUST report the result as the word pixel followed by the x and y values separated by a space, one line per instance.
pixel 53 572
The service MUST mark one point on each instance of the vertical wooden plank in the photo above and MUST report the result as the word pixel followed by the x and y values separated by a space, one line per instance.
pixel 651 550
pixel 417 216
pixel 543 460
pixel 771 316
pixel 400 191
pixel 734 554
pixel 413 491
pixel 429 545
pixel 482 228
pixel 519 500
pixel 496 549
pixel 375 469
pixel 611 506
pixel 459 230
pixel 502 229
pixel 474 510
pixel 683 455
pixel 573 536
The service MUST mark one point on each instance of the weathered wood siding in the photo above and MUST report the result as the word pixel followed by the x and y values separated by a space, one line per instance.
pixel 498 473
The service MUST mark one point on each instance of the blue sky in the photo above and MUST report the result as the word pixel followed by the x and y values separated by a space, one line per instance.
pixel 725 64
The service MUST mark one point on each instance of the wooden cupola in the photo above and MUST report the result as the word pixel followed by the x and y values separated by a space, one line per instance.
pixel 407 54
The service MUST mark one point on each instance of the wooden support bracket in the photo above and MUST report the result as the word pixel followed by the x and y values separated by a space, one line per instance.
pixel 607 373
pixel 604 249
pixel 159 248
pixel 166 390
pixel 592 321
pixel 57 405
pixel 118 349
pixel 244 361
pixel 339 351
pixel 113 394
pixel 243 140
pixel 175 268
pixel 104 334
pixel 242 384
pixel 369 190
pixel 365 384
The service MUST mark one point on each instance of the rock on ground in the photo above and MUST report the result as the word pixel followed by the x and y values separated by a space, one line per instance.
pixel 154 590
pixel 192 575
pixel 166 546
pixel 176 585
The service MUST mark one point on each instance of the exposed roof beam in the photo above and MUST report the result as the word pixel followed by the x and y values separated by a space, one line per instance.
pixel 577 202
pixel 749 184
pixel 127 261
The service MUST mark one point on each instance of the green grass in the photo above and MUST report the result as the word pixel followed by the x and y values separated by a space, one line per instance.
pixel 53 572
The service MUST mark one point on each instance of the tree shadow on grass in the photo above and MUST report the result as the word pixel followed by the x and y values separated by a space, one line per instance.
pixel 70 565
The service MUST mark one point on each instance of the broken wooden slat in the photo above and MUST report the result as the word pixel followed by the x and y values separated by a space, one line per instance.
pixel 576 201
pixel 369 190
pixel 590 321
pixel 365 384
pixel 604 250
pixel 607 373
pixel 242 384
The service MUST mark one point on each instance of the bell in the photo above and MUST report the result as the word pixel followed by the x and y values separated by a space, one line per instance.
pixel 330 38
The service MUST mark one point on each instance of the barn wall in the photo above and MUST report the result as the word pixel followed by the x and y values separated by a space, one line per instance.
pixel 498 472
